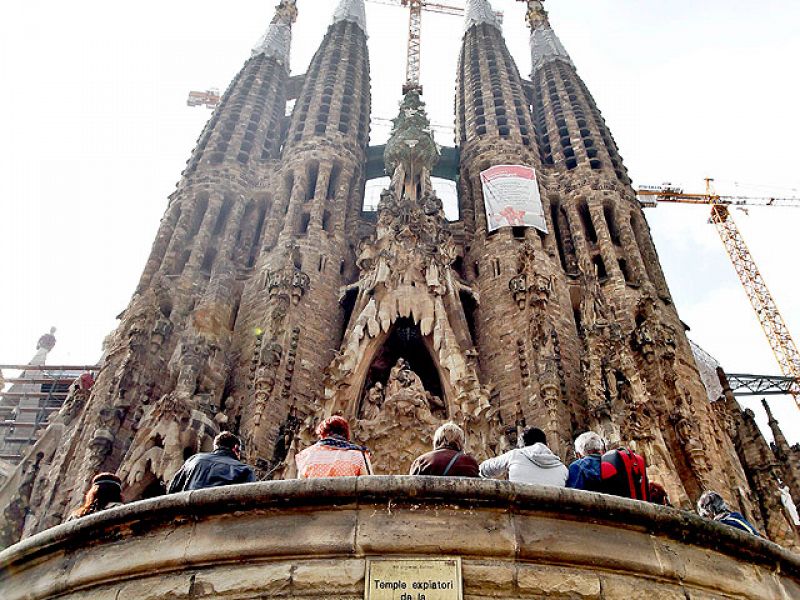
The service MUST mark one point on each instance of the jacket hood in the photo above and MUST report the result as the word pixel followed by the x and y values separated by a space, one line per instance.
pixel 541 456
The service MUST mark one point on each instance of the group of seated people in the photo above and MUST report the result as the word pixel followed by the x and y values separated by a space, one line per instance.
pixel 334 455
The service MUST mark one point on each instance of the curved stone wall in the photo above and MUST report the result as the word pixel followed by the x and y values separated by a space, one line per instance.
pixel 310 539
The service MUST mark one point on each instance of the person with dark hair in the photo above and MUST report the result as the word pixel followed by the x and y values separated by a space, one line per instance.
pixel 533 463
pixel 333 455
pixel 658 495
pixel 106 492
pixel 213 469
pixel 712 506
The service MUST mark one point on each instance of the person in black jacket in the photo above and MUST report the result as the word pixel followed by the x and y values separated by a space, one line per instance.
pixel 213 469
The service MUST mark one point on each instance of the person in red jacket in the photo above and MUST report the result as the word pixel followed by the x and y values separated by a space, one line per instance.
pixel 448 458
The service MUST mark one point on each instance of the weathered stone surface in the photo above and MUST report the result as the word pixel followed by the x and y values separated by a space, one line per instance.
pixel 488 578
pixel 626 588
pixel 334 576
pixel 284 541
pixel 552 582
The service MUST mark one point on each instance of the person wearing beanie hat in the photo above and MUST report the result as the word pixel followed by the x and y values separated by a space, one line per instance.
pixel 105 492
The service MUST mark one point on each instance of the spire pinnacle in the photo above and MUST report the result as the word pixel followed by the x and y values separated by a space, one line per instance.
pixel 770 417
pixel 276 42
pixel 545 45
pixel 351 10
pixel 477 12
pixel 536 15
pixel 411 141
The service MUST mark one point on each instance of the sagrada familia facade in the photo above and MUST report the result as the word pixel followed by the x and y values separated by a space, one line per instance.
pixel 271 299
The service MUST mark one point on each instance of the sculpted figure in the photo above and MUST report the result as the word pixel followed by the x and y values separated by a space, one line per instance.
pixel 373 402
pixel 405 394
pixel 401 376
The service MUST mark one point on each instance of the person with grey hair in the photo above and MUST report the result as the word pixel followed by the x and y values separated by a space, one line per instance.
pixel 448 458
pixel 712 506
pixel 584 473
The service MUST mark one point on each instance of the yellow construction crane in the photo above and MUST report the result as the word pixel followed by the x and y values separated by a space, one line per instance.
pixel 780 340
pixel 415 8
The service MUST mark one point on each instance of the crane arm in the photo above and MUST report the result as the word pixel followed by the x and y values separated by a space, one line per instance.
pixel 431 6
pixel 769 317
pixel 668 193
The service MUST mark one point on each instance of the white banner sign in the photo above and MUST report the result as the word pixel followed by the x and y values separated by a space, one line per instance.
pixel 511 197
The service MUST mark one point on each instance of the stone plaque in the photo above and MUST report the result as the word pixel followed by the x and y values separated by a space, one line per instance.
pixel 413 579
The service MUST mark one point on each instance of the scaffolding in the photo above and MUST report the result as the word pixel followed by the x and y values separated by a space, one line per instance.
pixel 27 405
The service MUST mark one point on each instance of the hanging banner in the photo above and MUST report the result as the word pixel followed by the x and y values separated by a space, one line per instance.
pixel 511 197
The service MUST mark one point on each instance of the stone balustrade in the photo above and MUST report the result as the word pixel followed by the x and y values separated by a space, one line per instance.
pixel 310 539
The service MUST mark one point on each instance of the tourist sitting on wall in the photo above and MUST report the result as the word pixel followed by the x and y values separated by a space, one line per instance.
pixel 106 492
pixel 213 469
pixel 448 458
pixel 584 473
pixel 333 455
pixel 534 463
pixel 712 506
pixel 658 495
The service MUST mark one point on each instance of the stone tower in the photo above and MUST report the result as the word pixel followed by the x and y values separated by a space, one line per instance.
pixel 271 299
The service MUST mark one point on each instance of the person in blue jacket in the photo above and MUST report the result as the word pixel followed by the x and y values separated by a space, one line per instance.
pixel 712 506
pixel 584 473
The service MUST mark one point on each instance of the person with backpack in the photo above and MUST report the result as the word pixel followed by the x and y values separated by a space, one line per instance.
pixel 712 506
pixel 333 455
pixel 534 463
pixel 584 473
pixel 448 458
pixel 623 473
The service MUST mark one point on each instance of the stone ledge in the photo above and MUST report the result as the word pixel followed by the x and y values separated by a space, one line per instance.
pixel 524 530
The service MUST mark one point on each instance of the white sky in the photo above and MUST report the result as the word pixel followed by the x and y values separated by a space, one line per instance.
pixel 96 131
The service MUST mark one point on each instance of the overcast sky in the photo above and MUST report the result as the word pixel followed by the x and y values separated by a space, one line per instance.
pixel 96 131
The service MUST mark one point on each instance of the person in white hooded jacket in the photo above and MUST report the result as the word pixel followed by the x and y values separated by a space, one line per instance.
pixel 534 463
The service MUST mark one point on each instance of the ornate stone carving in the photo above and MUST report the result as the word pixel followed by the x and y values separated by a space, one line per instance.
pixel 684 420
pixel 406 273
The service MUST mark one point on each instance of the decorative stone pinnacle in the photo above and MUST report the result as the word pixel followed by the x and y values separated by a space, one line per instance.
pixel 537 15
pixel 477 12
pixel 286 12
pixel 411 141
pixel 351 10
pixel 545 45
pixel 276 42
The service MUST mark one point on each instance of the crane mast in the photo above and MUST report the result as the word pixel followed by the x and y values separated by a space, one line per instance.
pixel 772 322
pixel 414 50
pixel 414 46
pixel 764 305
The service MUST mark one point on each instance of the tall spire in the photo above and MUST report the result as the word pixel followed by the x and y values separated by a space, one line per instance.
pixel 276 42
pixel 351 10
pixel 780 440
pixel 477 12
pixel 545 45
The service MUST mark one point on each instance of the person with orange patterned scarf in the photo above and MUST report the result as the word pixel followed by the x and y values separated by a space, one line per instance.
pixel 333 455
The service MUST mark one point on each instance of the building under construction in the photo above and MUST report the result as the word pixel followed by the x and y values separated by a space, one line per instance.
pixel 271 300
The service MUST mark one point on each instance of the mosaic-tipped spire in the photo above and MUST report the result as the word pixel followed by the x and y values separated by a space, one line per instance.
pixel 411 141
pixel 351 10
pixel 276 42
pixel 545 45
pixel 477 12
